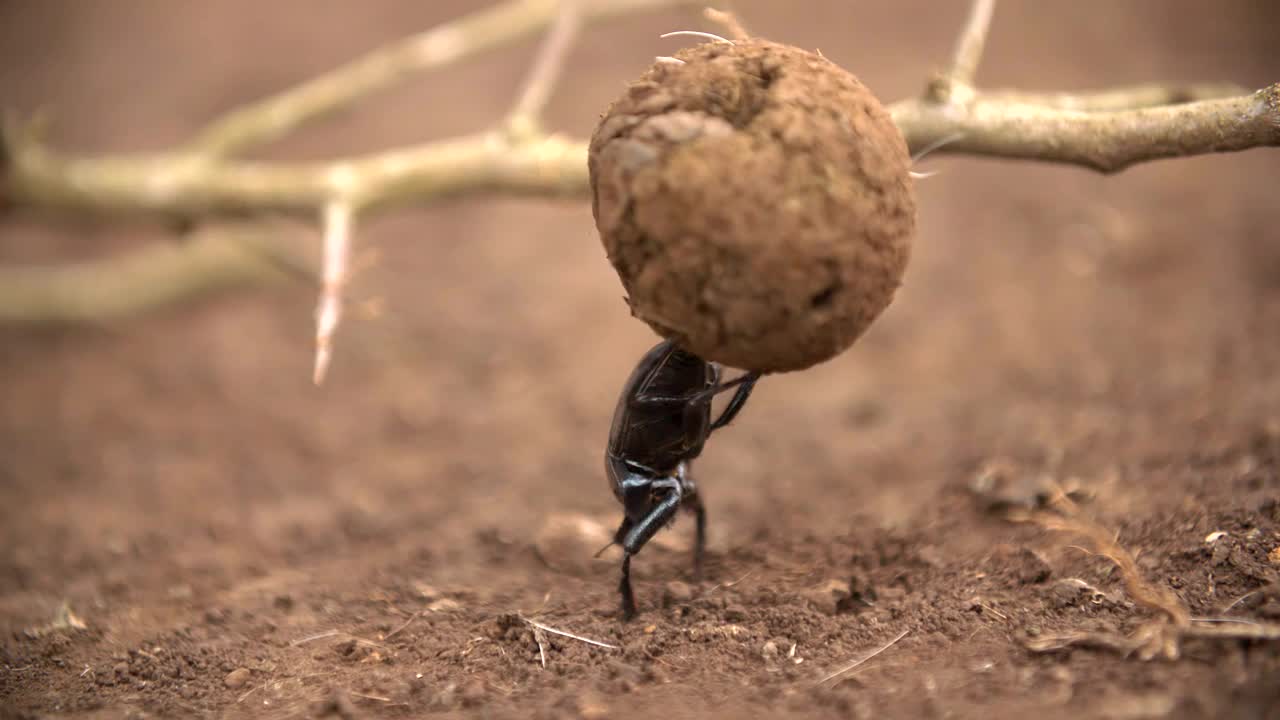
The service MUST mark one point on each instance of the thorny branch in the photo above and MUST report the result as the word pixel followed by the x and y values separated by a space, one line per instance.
pixel 1105 131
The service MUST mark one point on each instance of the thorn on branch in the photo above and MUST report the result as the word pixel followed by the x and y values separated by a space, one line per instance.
pixel 337 221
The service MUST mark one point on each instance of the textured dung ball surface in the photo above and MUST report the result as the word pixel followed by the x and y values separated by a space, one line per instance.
pixel 755 202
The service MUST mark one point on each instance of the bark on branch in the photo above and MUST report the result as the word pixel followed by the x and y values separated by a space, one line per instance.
pixel 156 275
pixel 1107 140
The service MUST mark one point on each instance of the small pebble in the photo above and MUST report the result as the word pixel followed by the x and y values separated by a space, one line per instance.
pixel 473 693
pixel 592 706
pixel 676 593
pixel 236 678
pixel 828 597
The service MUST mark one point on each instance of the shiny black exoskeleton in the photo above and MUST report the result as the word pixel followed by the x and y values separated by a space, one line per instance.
pixel 662 421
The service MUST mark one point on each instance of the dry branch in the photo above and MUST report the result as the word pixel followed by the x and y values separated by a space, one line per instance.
pixel 1107 141
pixel 503 24
pixel 1120 98
pixel 155 275
pixel 552 166
pixel 1106 131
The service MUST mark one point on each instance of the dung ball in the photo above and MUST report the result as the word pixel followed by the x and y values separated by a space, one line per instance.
pixel 756 202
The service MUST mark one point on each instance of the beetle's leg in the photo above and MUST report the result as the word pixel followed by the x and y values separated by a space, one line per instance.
pixel 694 503
pixel 624 587
pixel 640 533
pixel 646 527
pixel 696 405
pixel 735 404
pixel 696 397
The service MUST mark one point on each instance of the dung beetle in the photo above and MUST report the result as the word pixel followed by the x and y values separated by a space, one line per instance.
pixel 660 425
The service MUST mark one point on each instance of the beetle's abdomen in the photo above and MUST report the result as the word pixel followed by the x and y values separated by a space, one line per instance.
pixel 654 434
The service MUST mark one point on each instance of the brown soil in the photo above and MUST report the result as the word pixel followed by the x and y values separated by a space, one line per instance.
pixel 238 543
pixel 756 203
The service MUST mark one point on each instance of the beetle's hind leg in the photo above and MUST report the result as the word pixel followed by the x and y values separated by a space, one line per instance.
pixel 694 503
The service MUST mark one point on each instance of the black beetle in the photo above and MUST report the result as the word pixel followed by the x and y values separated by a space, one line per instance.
pixel 662 420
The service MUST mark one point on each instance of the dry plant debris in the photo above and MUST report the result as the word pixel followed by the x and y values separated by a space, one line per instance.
pixel 1159 637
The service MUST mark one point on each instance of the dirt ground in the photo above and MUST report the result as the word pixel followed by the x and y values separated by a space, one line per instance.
pixel 238 543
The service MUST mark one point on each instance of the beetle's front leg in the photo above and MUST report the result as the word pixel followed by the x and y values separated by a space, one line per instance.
pixel 639 533
pixel 694 426
pixel 737 401
pixel 624 587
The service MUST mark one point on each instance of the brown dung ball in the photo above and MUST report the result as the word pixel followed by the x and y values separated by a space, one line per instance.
pixel 755 201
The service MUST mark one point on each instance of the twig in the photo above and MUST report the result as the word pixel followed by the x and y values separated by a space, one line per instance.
pixel 1107 141
pixel 1158 638
pixel 523 122
pixel 338 219
pixel 336 633
pixel 957 84
pixel 1239 600
pixel 318 636
pixel 729 21
pixel 482 162
pixel 539 637
pixel 563 633
pixel 154 275
pixel 402 627
pixel 250 691
pixel 1234 631
pixel 718 586
pixel 1153 597
pixel 377 698
pixel 993 611
pixel 503 24
pixel 63 619
pixel 1121 98
pixel 863 659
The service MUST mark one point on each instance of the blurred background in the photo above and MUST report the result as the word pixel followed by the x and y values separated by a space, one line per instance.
pixel 1050 314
